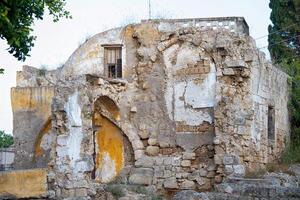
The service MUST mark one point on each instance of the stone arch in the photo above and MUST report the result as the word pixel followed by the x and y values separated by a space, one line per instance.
pixel 104 103
pixel 126 128
pixel 38 151
pixel 113 150
pixel 39 158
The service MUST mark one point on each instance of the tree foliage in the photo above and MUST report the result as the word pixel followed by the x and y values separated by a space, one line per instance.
pixel 17 18
pixel 284 46
pixel 5 140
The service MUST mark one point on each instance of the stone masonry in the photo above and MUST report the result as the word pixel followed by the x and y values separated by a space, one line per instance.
pixel 196 103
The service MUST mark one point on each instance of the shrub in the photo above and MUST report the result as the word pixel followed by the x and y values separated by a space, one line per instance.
pixel 292 153
pixel 42 70
pixel 156 197
pixel 141 190
pixel 5 140
pixel 116 190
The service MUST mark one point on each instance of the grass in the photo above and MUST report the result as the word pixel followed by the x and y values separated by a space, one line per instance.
pixel 141 190
pixel 42 70
pixel 115 190
pixel 291 154
pixel 279 167
pixel 156 197
pixel 256 174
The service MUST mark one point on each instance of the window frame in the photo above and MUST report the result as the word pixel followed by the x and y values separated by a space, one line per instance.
pixel 271 124
pixel 118 62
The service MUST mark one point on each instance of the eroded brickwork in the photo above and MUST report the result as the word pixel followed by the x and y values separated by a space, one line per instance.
pixel 190 110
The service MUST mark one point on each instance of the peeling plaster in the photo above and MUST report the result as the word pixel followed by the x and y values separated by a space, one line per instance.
pixel 73 111
pixel 107 171
pixel 184 99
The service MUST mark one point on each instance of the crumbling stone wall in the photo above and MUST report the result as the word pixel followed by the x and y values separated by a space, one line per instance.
pixel 185 115
pixel 32 126
pixel 247 85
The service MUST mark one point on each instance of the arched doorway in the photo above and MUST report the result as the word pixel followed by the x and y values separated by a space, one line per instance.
pixel 112 150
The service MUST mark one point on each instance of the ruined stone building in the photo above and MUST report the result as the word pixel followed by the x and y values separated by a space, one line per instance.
pixel 173 104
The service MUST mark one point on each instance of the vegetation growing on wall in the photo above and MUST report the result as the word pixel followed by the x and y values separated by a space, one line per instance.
pixel 284 46
pixel 5 140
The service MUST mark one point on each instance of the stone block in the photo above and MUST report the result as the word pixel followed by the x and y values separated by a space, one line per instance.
pixel 145 161
pixel 193 175
pixel 238 170
pixel 137 144
pixel 228 169
pixel 138 154
pixel 159 161
pixel 211 167
pixel 191 141
pixel 152 141
pixel 190 195
pixel 231 160
pixel 23 183
pixel 211 174
pixel 141 176
pixel 228 189
pixel 235 63
pixel 176 161
pixel 186 163
pixel 218 179
pixel 159 171
pixel 218 159
pixel 171 183
pixel 216 141
pixel 200 180
pixel 248 58
pixel 203 172
pixel 144 134
pixel 133 109
pixel 167 173
pixel 168 161
pixel 165 141
pixel 188 185
pixel 188 156
pixel 228 72
pixel 81 192
pixel 152 150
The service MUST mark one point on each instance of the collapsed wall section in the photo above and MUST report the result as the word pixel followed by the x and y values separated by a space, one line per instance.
pixel 251 114
pixel 191 109
pixel 32 125
pixel 270 128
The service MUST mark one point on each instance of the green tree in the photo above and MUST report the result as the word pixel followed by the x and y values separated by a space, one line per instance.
pixel 5 140
pixel 284 46
pixel 1 71
pixel 17 17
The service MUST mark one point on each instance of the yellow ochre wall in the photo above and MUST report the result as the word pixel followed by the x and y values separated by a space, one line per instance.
pixel 36 99
pixel 23 183
pixel 32 120
pixel 110 151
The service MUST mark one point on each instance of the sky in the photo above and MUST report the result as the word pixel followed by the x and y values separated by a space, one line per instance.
pixel 56 41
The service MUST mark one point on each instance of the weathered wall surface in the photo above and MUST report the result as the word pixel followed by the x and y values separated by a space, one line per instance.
pixel 77 152
pixel 32 124
pixel 246 86
pixel 23 184
pixel 189 111
pixel 89 57
pixel 269 89
pixel 33 77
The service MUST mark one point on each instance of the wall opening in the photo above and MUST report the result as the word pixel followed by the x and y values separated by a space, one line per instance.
pixel 112 149
pixel 113 61
pixel 271 123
